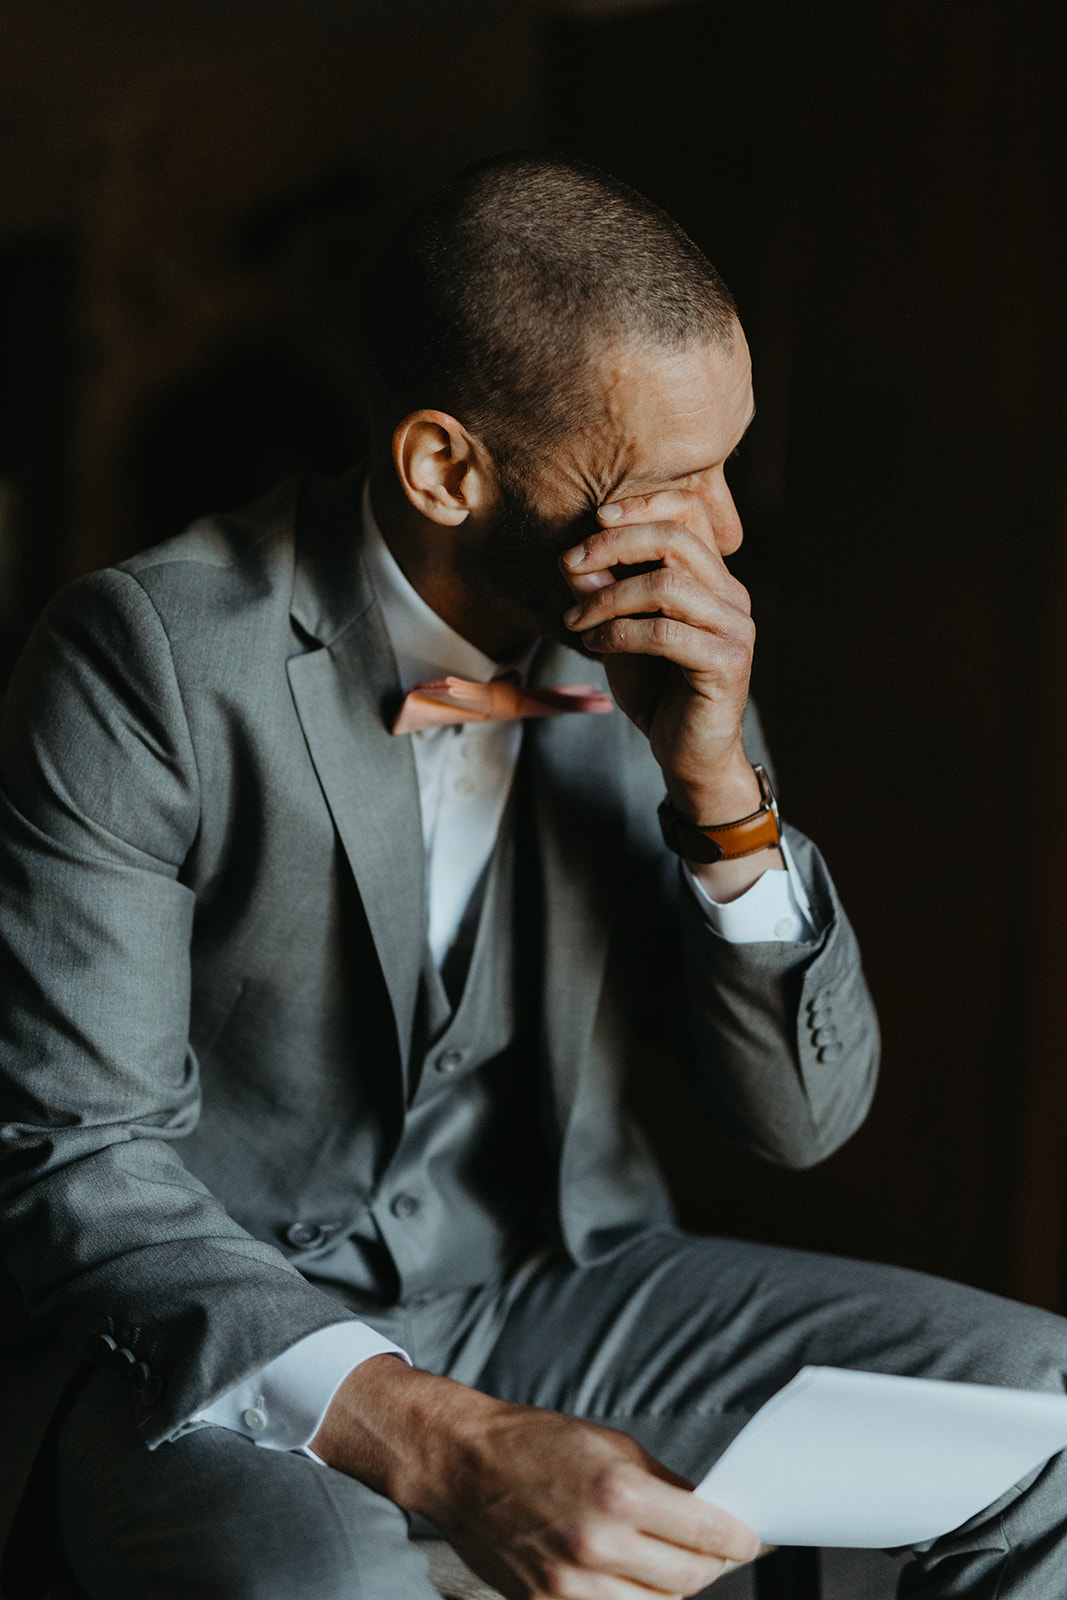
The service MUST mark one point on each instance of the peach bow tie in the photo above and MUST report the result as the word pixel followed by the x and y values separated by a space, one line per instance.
pixel 431 705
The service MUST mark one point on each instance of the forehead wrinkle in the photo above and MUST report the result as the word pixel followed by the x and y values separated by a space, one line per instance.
pixel 673 475
pixel 607 452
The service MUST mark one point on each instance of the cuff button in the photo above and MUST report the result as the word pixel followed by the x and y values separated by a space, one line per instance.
pixel 152 1392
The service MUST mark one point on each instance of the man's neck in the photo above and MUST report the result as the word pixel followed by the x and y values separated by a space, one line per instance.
pixel 425 552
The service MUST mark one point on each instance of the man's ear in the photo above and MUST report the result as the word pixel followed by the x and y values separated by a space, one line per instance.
pixel 442 469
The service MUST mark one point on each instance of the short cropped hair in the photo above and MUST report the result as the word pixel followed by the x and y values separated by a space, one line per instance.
pixel 496 299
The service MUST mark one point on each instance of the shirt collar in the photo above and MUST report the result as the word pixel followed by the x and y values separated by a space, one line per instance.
pixel 423 643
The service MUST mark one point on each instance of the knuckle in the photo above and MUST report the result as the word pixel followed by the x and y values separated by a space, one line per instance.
pixel 735 653
pixel 666 583
pixel 741 654
pixel 617 1494
pixel 586 1545
pixel 664 631
pixel 600 547
pixel 738 594
pixel 555 1580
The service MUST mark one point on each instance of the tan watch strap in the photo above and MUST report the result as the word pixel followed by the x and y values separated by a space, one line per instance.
pixel 724 841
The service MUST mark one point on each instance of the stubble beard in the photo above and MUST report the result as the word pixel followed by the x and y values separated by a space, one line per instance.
pixel 518 561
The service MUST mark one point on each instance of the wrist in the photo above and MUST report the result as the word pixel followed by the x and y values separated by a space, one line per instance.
pixel 401 1430
pixel 721 795
pixel 727 855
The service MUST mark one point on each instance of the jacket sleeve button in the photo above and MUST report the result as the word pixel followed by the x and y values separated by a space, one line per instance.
pixel 152 1392
pixel 104 1347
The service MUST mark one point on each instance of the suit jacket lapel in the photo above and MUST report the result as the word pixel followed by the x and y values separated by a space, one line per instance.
pixel 342 692
pixel 580 827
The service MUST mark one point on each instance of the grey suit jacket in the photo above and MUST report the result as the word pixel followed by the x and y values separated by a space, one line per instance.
pixel 212 915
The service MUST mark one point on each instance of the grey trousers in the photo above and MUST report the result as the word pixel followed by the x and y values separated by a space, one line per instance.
pixel 676 1340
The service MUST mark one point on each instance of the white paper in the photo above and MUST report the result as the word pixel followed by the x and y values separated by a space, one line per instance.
pixel 864 1459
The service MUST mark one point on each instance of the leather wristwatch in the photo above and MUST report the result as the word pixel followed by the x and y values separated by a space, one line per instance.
pixel 724 841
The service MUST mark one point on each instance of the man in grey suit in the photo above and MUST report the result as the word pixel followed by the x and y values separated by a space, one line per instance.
pixel 318 1190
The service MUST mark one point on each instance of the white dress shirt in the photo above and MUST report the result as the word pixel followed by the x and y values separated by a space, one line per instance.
pixel 464 772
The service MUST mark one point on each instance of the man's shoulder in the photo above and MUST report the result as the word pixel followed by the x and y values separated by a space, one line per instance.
pixel 212 604
pixel 251 549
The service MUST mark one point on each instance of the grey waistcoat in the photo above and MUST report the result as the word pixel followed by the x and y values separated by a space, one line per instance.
pixel 467 1188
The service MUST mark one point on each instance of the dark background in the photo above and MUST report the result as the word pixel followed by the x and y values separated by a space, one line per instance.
pixel 188 194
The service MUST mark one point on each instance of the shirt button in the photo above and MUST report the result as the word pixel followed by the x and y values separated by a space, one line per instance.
pixel 254 1419
pixel 784 928
pixel 449 1061
pixel 465 785
pixel 405 1205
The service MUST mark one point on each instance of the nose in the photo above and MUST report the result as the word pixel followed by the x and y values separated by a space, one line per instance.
pixel 722 514
pixel 727 524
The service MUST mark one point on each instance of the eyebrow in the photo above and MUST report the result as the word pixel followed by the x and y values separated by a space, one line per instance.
pixel 669 475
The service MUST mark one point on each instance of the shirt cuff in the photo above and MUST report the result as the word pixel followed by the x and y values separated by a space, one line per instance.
pixel 283 1404
pixel 776 908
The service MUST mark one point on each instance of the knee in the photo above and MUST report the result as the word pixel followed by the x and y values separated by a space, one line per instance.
pixel 1006 1343
pixel 331 1570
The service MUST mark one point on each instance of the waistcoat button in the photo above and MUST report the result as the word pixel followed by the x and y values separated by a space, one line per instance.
pixel 405 1205
pixel 449 1060
pixel 302 1235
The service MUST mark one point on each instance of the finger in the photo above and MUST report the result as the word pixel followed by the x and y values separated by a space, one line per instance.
pixel 643 1501
pixel 723 653
pixel 637 543
pixel 655 1563
pixel 669 543
pixel 677 1516
pixel 662 591
pixel 664 505
pixel 576 1585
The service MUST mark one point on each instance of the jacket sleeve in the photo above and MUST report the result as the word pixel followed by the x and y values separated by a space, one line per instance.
pixel 781 1040
pixel 108 1235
